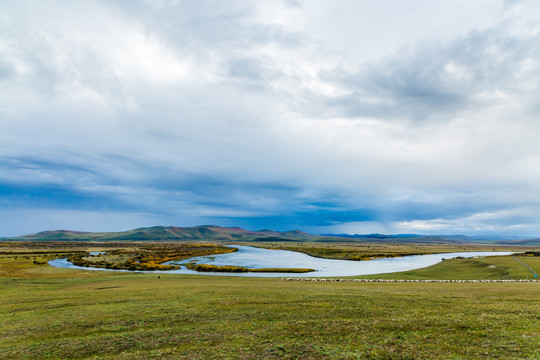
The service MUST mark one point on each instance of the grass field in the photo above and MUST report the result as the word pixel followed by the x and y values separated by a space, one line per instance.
pixel 51 313
pixel 492 268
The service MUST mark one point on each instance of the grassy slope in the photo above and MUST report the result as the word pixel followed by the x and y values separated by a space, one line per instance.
pixel 140 316
pixel 169 233
pixel 470 269
pixel 60 313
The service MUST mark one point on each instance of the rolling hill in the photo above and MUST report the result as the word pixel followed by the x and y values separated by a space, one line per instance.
pixel 227 234
pixel 171 233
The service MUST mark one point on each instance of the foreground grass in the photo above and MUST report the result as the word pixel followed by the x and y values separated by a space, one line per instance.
pixel 52 313
pixel 198 317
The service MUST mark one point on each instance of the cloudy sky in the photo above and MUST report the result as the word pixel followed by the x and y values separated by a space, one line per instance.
pixel 414 116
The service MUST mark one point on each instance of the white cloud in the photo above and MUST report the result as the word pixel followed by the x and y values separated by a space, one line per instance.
pixel 238 110
pixel 520 221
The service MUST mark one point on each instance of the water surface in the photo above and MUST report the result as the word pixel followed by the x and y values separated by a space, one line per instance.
pixel 256 258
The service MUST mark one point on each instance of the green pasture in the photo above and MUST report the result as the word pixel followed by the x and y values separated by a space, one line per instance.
pixel 491 268
pixel 51 313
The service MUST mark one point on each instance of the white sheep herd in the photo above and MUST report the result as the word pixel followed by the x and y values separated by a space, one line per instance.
pixel 415 281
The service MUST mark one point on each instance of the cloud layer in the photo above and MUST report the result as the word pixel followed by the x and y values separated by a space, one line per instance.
pixel 347 116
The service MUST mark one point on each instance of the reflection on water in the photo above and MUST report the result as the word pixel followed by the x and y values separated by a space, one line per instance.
pixel 252 257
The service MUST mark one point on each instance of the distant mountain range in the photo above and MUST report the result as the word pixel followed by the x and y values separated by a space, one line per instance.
pixel 445 239
pixel 228 234
pixel 171 233
pixel 464 238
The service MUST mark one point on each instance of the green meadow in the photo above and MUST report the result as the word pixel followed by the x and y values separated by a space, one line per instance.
pixel 490 268
pixel 52 313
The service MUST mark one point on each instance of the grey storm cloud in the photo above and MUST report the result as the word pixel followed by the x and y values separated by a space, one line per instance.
pixel 328 117
pixel 440 80
pixel 5 71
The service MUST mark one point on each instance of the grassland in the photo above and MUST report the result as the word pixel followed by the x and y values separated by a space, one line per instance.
pixel 52 313
pixel 491 268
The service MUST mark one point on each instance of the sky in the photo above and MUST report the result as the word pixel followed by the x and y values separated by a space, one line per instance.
pixel 339 116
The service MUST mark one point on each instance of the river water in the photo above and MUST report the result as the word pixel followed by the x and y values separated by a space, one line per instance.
pixel 251 257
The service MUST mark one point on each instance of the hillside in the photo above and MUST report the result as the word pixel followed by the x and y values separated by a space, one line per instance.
pixel 227 234
pixel 171 233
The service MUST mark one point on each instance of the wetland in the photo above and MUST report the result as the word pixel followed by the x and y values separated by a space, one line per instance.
pixel 241 260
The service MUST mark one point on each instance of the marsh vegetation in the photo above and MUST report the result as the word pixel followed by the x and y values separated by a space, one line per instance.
pixel 240 269
pixel 147 257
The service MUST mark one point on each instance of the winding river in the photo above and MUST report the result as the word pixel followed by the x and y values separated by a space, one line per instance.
pixel 252 257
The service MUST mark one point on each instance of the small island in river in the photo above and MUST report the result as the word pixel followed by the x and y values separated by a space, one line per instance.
pixel 228 268
pixel 147 257
pixel 151 257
